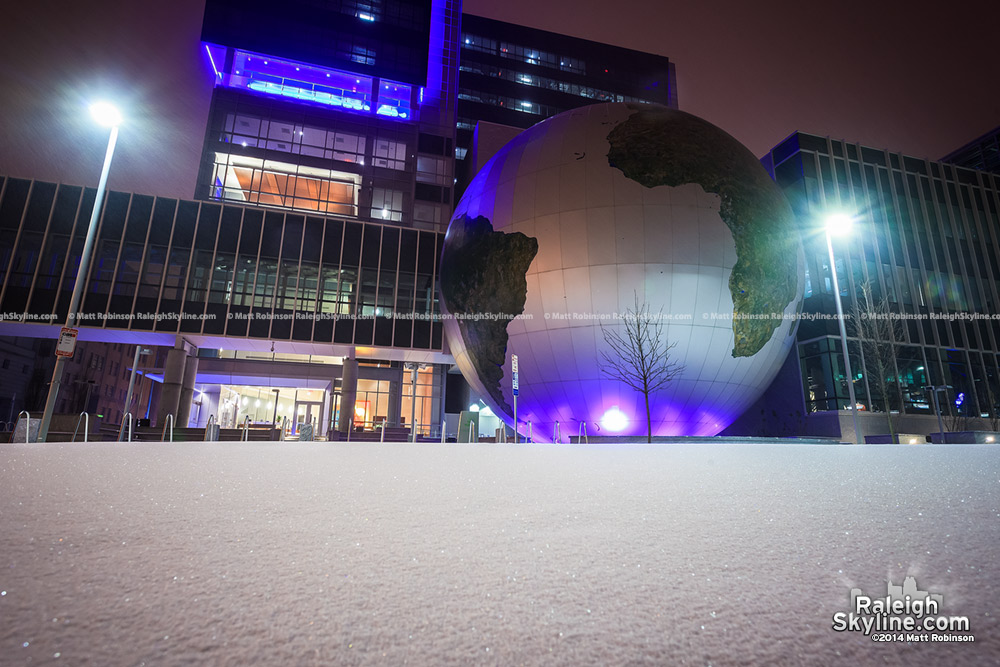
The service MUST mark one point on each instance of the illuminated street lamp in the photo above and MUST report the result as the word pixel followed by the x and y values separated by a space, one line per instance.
pixel 840 224
pixel 108 116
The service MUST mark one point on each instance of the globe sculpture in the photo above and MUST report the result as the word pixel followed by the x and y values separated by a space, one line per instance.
pixel 584 215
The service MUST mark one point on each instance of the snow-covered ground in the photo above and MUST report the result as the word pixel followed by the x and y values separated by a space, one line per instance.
pixel 341 554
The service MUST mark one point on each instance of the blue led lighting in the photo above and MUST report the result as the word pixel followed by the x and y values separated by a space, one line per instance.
pixel 320 85
pixel 211 59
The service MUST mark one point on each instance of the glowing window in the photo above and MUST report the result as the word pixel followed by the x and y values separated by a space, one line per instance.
pixel 394 100
pixel 276 135
pixel 270 183
pixel 387 204
pixel 286 78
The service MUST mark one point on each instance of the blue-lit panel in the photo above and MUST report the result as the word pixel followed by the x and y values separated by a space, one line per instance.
pixel 394 100
pixel 285 78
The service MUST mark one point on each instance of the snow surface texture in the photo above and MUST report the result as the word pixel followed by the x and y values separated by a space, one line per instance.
pixel 343 554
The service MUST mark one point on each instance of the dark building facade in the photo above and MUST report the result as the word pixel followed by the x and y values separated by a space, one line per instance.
pixel 927 239
pixel 982 153
pixel 517 76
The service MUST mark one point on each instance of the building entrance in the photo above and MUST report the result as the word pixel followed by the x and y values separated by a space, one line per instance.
pixel 307 412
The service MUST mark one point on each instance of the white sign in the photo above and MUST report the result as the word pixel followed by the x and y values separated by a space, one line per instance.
pixel 67 342
pixel 513 363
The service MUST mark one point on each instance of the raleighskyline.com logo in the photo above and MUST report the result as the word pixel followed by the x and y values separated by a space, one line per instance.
pixel 904 614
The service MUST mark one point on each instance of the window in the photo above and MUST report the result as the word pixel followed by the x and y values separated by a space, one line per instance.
pixel 433 214
pixel 296 138
pixel 387 204
pixel 432 170
pixel 394 100
pixel 285 185
pixel 287 78
pixel 389 154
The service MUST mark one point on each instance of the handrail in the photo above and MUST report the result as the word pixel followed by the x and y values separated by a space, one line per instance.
pixel 413 432
pixel 529 432
pixel 471 424
pixel 208 427
pixel 582 434
pixel 381 437
pixel 557 436
pixel 27 425
pixel 169 420
pixel 86 426
pixel 444 438
pixel 246 429
pixel 284 425
pixel 121 429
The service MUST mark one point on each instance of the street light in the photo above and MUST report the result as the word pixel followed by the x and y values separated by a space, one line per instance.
pixel 840 224
pixel 105 114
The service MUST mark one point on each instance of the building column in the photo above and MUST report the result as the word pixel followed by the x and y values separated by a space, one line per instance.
pixel 187 392
pixel 395 398
pixel 348 393
pixel 442 371
pixel 173 380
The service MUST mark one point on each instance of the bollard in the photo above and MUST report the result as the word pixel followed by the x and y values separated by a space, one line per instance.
pixel 168 421
pixel 86 426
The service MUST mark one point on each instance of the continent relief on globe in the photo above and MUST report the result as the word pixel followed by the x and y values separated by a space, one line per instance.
pixel 652 148
pixel 483 277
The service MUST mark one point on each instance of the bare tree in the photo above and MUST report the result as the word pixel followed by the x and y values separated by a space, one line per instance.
pixel 639 356
pixel 877 329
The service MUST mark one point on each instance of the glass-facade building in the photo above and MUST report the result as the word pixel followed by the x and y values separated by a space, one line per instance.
pixel 518 76
pixel 342 108
pixel 206 269
pixel 927 239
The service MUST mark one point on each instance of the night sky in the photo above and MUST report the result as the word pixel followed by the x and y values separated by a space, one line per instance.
pixel 917 78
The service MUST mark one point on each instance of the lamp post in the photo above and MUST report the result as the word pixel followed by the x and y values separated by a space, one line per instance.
pixel 140 351
pixel 934 389
pixel 840 224
pixel 106 115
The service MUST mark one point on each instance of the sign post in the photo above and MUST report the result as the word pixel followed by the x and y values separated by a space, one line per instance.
pixel 514 388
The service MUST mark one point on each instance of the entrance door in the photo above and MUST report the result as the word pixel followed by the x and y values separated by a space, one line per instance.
pixel 306 412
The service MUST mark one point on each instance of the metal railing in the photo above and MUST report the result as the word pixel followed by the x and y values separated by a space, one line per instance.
pixel 27 425
pixel 582 434
pixel 169 421
pixel 471 431
pixel 208 428
pixel 245 437
pixel 556 435
pixel 529 440
pixel 121 429
pixel 86 426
